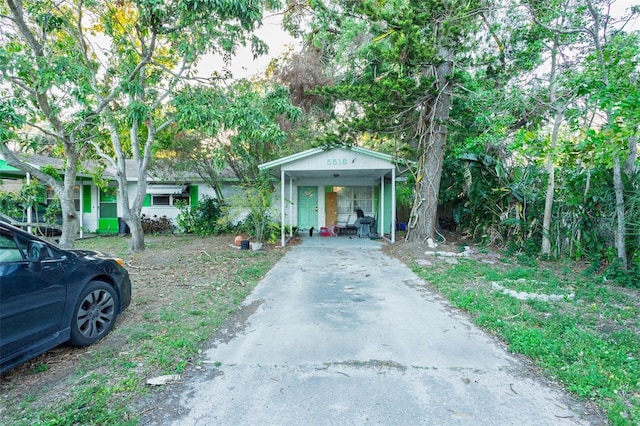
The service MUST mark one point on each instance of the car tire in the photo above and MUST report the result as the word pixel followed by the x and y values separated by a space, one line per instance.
pixel 94 315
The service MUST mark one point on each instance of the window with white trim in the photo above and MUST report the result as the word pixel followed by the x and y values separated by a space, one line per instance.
pixel 168 199
pixel 351 198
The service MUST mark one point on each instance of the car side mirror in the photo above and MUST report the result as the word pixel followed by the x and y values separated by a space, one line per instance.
pixel 37 251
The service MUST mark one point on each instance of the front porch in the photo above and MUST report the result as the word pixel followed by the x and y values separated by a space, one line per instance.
pixel 325 188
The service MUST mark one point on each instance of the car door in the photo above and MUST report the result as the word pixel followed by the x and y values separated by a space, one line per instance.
pixel 32 296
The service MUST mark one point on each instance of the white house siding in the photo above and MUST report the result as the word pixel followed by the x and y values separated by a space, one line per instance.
pixel 338 160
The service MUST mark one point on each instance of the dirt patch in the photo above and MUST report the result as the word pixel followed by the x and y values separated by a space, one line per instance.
pixel 449 247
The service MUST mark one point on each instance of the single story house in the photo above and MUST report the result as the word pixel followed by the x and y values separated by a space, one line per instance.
pixel 320 187
pixel 100 206
pixel 316 188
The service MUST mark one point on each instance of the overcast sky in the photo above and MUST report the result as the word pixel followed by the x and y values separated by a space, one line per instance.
pixel 244 66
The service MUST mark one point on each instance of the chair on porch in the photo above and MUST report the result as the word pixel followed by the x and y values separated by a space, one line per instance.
pixel 345 227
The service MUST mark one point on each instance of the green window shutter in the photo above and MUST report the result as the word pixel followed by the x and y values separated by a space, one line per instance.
pixel 86 199
pixel 147 200
pixel 193 194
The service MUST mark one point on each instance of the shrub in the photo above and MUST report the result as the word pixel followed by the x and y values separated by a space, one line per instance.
pixel 203 219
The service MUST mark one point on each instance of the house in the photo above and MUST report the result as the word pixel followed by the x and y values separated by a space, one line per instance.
pixel 100 205
pixel 320 187
pixel 316 188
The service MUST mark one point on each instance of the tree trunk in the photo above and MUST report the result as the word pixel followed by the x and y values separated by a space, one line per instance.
pixel 618 187
pixel 64 190
pixel 137 233
pixel 548 203
pixel 621 229
pixel 432 132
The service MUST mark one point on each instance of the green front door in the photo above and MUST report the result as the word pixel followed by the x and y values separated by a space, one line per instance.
pixel 108 221
pixel 307 207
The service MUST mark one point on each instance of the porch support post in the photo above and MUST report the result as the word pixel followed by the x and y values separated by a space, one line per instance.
pixel 382 207
pixel 282 188
pixel 393 205
pixel 290 206
pixel 29 215
pixel 81 207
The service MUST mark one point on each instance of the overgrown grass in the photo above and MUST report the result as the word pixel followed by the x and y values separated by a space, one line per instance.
pixel 588 340
pixel 161 332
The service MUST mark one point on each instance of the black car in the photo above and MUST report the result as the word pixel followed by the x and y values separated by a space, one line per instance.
pixel 49 296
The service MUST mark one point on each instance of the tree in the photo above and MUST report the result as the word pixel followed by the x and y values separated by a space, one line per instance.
pixel 241 127
pixel 113 68
pixel 44 94
pixel 397 61
pixel 610 62
pixel 558 97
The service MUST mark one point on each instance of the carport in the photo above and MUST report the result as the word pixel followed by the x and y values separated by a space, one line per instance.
pixel 320 187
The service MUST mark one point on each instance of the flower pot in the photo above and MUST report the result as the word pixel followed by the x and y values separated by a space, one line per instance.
pixel 256 246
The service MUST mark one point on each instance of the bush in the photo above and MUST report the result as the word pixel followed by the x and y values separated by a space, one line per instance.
pixel 628 278
pixel 203 219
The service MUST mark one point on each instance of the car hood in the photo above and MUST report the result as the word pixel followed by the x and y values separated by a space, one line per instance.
pixel 96 255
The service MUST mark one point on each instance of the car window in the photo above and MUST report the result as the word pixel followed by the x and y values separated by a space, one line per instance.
pixel 9 250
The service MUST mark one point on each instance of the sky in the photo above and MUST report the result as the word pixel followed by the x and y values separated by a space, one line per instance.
pixel 244 66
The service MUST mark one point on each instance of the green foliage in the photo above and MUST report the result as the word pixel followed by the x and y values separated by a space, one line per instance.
pixel 629 277
pixel 241 123
pixel 501 201
pixel 589 343
pixel 254 204
pixel 203 219
pixel 10 204
pixel 274 229
pixel 53 212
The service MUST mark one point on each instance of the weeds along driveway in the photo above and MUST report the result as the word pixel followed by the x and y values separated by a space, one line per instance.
pixel 339 333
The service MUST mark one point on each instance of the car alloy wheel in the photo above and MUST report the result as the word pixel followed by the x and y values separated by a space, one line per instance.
pixel 94 315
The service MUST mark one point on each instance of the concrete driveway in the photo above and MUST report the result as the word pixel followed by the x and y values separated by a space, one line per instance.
pixel 340 334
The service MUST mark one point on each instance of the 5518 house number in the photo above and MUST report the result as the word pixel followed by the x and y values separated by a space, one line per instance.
pixel 336 162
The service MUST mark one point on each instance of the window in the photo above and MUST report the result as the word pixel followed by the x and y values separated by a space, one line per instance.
pixel 9 251
pixel 160 200
pixel 351 198
pixel 168 199
pixel 51 196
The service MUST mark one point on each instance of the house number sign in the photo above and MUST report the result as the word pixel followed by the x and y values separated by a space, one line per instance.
pixel 336 162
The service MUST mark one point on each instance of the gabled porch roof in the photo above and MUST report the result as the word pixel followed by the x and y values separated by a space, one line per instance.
pixel 343 162
pixel 340 166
